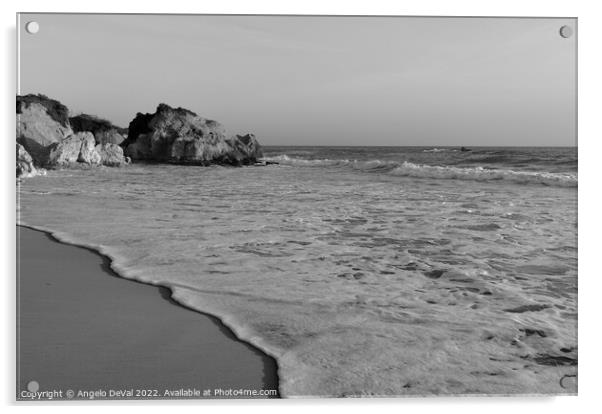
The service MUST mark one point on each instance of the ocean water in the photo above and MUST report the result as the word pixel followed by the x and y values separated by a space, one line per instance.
pixel 363 270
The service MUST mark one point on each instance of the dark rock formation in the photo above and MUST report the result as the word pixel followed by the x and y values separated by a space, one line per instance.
pixel 177 135
pixel 25 167
pixel 247 148
pixel 104 131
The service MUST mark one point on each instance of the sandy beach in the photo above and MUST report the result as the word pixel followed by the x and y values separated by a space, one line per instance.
pixel 84 328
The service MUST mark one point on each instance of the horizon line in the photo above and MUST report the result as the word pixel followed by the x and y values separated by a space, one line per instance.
pixel 427 146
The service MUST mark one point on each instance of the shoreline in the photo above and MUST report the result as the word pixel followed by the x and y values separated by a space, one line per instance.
pixel 108 267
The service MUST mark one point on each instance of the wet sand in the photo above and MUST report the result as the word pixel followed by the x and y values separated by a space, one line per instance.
pixel 82 327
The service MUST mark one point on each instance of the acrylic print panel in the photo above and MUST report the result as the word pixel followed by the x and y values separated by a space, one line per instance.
pixel 295 206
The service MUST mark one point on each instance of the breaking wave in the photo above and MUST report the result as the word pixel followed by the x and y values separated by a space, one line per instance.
pixel 440 150
pixel 408 169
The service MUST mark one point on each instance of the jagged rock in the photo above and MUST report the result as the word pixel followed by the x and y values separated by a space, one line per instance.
pixel 111 155
pixel 247 147
pixel 88 153
pixel 178 135
pixel 104 131
pixel 81 148
pixel 191 149
pixel 41 121
pixel 78 147
pixel 140 149
pixel 109 137
pixel 44 130
pixel 25 167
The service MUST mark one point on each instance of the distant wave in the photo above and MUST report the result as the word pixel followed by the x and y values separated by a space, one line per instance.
pixel 286 160
pixel 369 165
pixel 408 169
pixel 440 150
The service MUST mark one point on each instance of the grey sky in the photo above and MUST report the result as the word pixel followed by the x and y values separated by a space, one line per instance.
pixel 317 80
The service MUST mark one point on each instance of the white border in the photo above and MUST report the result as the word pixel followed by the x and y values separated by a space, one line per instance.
pixel 590 118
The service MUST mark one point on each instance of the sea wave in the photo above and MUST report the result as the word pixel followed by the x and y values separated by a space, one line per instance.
pixel 288 160
pixel 440 150
pixel 408 169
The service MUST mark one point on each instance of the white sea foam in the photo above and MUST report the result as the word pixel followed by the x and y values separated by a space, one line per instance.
pixel 408 169
pixel 356 284
pixel 287 160
pixel 439 150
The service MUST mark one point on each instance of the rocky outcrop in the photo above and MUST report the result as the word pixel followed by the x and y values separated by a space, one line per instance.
pixel 104 131
pixel 51 139
pixel 25 167
pixel 177 135
pixel 81 148
pixel 76 148
pixel 246 146
pixel 45 132
pixel 111 155
pixel 41 121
